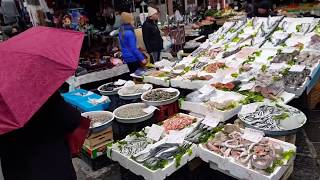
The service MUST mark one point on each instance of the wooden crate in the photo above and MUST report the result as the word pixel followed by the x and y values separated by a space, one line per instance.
pixel 99 138
pixel 313 98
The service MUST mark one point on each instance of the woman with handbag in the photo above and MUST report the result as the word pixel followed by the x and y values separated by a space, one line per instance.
pixel 128 42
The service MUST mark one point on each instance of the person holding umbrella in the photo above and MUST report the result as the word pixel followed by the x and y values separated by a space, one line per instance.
pixel 151 34
pixel 34 119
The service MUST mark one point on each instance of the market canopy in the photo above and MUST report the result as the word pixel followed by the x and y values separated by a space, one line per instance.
pixel 34 64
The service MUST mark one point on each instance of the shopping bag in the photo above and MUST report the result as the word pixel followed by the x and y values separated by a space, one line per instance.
pixel 77 137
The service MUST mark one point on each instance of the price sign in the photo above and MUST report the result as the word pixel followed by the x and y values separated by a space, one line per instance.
pixel 211 120
pixel 252 135
pixel 176 137
pixel 155 132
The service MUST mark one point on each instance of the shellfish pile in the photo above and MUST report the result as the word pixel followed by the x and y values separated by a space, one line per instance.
pixel 229 143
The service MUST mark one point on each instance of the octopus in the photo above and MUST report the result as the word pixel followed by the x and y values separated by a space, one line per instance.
pixel 229 143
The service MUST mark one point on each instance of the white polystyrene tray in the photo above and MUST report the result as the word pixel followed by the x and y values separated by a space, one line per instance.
pixel 187 84
pixel 164 81
pixel 148 174
pixel 240 171
pixel 201 108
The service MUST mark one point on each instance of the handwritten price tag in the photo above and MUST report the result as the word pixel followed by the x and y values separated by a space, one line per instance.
pixel 176 137
pixel 206 89
pixel 211 120
pixel 252 135
pixel 249 108
pixel 297 68
pixel 155 132
pixel 149 109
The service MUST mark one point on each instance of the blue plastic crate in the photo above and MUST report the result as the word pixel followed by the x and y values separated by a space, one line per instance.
pixel 86 106
pixel 74 99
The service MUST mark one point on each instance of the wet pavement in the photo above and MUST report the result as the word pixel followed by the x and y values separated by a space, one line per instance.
pixel 306 166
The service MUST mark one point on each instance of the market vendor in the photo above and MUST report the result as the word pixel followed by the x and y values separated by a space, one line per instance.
pixel 261 8
pixel 128 42
pixel 151 34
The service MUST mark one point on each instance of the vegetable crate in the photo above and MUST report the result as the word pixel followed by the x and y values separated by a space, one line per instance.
pixel 96 139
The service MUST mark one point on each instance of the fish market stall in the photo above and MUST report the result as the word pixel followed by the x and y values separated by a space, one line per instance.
pixel 271 56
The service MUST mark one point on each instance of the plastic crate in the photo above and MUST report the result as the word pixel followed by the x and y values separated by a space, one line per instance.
pixel 72 97
pixel 85 106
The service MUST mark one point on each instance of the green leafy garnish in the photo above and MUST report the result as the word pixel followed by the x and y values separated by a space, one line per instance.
pixel 226 46
pixel 258 53
pixel 241 32
pixel 159 165
pixel 189 151
pixel 285 71
pixel 270 58
pixel 251 97
pixel 252 79
pixel 279 29
pixel 276 78
pixel 286 156
pixel 228 107
pixel 235 75
pixel 232 30
pixel 187 69
pixel 275 164
pixel 207 135
pixel 122 142
pixel 283 44
pixel 236 39
pixel 264 68
pixel 299 28
pixel 196 60
pixel 279 51
pixel 250 23
pixel 291 62
pixel 109 144
pixel 137 134
pixel 280 117
pixel 163 74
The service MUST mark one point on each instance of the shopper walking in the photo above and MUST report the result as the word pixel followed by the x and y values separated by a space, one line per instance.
pixel 128 41
pixel 151 34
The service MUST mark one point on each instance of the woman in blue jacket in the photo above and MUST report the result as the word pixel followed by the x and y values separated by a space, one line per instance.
pixel 128 42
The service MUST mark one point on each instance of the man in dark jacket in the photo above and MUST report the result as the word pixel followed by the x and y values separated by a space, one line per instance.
pixel 151 34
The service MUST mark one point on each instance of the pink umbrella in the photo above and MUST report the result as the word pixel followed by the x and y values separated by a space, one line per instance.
pixel 33 65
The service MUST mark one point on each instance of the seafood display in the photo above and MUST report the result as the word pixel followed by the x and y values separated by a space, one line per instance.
pixel 158 156
pixel 226 87
pixel 314 43
pixel 98 118
pixel 133 145
pixel 269 84
pixel 309 59
pixel 296 79
pixel 262 156
pixel 222 105
pixel 285 57
pixel 201 133
pixel 133 90
pixel 178 122
pixel 274 118
pixel 212 68
pixel 159 95
pixel 133 111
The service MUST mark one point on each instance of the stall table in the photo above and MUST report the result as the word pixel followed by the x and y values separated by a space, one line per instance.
pixel 74 81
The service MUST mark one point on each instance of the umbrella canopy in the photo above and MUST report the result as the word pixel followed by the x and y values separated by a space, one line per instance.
pixel 33 65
